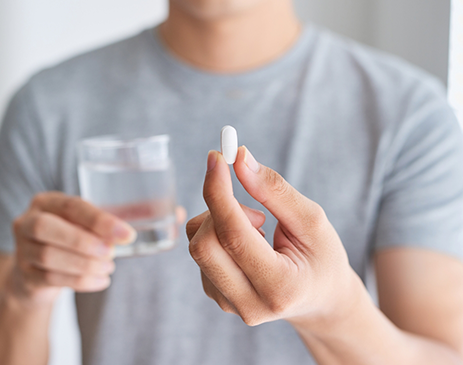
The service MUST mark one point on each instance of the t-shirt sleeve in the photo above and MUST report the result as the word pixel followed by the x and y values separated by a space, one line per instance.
pixel 23 163
pixel 422 197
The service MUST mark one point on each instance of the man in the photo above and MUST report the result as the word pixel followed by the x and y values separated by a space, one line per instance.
pixel 370 144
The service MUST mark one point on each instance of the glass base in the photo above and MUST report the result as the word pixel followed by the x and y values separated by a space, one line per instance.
pixel 144 248
pixel 152 237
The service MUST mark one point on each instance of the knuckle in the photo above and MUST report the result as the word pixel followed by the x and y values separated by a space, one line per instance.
pixel 317 216
pixel 48 277
pixel 81 283
pixel 22 264
pixel 225 305
pixel 191 228
pixel 190 225
pixel 44 256
pixel 277 306
pixel 250 319
pixel 70 204
pixel 233 242
pixel 16 225
pixel 84 265
pixel 278 185
pixel 39 226
pixel 77 241
pixel 200 251
pixel 102 222
pixel 38 200
pixel 210 196
pixel 209 293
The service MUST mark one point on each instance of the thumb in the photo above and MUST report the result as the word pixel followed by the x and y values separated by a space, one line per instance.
pixel 294 211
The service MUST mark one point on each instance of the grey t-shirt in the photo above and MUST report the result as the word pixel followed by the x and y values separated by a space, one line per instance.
pixel 365 135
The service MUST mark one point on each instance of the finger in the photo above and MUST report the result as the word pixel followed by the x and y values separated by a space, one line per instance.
pixel 56 259
pixel 48 228
pixel 219 267
pixel 213 293
pixel 181 214
pixel 193 224
pixel 256 217
pixel 237 236
pixel 78 211
pixel 42 278
pixel 290 207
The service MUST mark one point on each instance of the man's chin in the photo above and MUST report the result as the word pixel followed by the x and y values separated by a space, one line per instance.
pixel 215 9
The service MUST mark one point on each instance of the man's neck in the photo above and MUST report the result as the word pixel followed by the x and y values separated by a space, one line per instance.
pixel 235 43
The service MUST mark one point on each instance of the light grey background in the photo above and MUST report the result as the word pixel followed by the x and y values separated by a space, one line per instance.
pixel 37 34
pixel 417 30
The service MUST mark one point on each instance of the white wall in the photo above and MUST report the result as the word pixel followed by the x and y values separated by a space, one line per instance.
pixel 456 59
pixel 348 17
pixel 417 30
pixel 34 34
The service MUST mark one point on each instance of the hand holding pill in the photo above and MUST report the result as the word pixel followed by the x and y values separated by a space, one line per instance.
pixel 304 278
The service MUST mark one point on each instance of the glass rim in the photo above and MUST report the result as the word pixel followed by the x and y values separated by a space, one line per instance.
pixel 118 141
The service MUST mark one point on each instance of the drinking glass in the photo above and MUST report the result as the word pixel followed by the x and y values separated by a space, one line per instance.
pixel 132 178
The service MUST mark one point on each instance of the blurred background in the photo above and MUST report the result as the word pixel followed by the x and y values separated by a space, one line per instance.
pixel 37 34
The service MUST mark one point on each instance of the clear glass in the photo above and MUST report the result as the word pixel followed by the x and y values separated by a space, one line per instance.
pixel 134 180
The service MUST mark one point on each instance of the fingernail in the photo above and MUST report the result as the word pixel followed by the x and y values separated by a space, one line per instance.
pixel 258 211
pixel 261 212
pixel 251 162
pixel 124 233
pixel 211 160
pixel 102 249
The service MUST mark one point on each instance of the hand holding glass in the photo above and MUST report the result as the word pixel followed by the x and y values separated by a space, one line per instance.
pixel 134 180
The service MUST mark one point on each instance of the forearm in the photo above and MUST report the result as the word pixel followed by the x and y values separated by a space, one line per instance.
pixel 23 332
pixel 368 337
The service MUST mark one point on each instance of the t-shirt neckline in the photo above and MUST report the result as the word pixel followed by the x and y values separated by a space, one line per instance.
pixel 189 74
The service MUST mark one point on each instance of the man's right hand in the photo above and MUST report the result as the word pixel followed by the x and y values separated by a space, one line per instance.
pixel 63 241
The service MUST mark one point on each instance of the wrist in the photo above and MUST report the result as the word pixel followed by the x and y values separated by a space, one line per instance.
pixel 342 309
pixel 357 333
pixel 18 294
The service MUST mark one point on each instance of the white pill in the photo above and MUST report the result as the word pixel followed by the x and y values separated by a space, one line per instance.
pixel 229 144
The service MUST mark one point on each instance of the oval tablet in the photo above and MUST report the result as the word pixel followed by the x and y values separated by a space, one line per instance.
pixel 229 144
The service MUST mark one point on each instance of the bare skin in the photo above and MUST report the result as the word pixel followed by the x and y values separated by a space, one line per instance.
pixel 60 241
pixel 229 36
pixel 306 278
